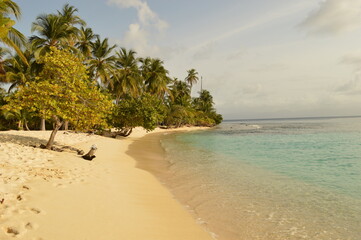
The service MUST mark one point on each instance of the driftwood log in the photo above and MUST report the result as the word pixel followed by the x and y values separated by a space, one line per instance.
pixel 125 132
pixel 91 154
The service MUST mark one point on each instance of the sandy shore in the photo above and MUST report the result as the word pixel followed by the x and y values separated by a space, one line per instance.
pixel 51 195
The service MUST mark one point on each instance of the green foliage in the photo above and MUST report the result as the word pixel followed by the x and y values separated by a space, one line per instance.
pixel 52 83
pixel 180 93
pixel 126 80
pixel 204 102
pixel 146 111
pixel 8 34
pixel 5 122
pixel 192 77
pixel 179 115
pixel 63 91
pixel 155 77
pixel 101 65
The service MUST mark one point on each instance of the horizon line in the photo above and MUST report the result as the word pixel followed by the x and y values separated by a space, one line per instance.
pixel 290 118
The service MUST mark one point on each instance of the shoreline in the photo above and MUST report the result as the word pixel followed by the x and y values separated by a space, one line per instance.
pixel 60 196
pixel 150 156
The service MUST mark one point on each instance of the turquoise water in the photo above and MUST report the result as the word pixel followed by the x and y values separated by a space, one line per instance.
pixel 271 179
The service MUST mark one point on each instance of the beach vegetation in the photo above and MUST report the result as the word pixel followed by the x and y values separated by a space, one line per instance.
pixel 63 92
pixel 67 75
pixel 9 35
pixel 192 77
pixel 126 80
pixel 101 66
pixel 145 111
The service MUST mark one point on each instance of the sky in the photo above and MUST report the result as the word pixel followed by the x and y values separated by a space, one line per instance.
pixel 258 58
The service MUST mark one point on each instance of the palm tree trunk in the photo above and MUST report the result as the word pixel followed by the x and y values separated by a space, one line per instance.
pixel 57 126
pixel 26 125
pixel 42 125
pixel 20 125
pixel 66 126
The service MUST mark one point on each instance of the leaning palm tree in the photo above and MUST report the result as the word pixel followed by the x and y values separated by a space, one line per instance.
pixel 126 81
pixel 8 34
pixel 102 64
pixel 192 77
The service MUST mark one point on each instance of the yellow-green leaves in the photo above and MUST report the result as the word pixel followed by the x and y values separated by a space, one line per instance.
pixel 63 90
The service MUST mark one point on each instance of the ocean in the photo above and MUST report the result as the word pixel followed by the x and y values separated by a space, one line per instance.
pixel 270 179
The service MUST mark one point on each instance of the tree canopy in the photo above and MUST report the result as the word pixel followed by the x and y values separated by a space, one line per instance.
pixel 62 92
pixel 69 74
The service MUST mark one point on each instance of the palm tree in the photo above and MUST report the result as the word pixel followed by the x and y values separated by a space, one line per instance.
pixel 85 41
pixel 53 31
pixel 192 77
pixel 102 64
pixel 17 72
pixel 204 102
pixel 155 77
pixel 127 78
pixel 68 13
pixel 180 93
pixel 3 53
pixel 9 35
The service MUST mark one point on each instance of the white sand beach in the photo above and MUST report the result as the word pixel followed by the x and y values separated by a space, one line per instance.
pixel 49 195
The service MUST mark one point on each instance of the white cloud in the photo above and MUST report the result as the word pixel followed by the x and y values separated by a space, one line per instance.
pixel 145 15
pixel 137 38
pixel 334 16
pixel 149 24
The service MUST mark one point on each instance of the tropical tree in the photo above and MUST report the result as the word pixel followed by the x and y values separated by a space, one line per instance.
pixel 146 111
pixel 204 102
pixel 17 72
pixel 126 80
pixel 155 77
pixel 68 14
pixel 180 93
pixel 85 42
pixel 3 53
pixel 8 34
pixel 55 30
pixel 192 77
pixel 52 31
pixel 62 93
pixel 102 64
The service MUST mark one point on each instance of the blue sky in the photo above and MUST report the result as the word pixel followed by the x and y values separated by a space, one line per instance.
pixel 259 58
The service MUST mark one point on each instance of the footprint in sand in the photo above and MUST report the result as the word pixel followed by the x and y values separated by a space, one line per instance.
pixel 12 231
pixel 31 226
pixel 19 198
pixel 36 210
pixel 59 185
